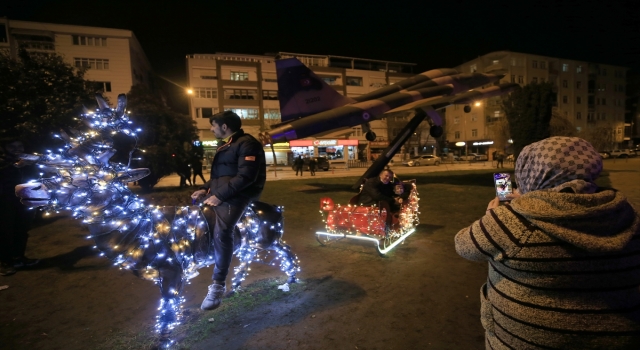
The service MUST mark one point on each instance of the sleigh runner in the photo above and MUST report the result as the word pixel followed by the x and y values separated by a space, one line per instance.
pixel 376 224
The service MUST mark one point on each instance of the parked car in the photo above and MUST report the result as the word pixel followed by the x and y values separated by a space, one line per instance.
pixel 423 160
pixel 321 164
pixel 450 156
pixel 622 153
pixel 605 154
pixel 475 157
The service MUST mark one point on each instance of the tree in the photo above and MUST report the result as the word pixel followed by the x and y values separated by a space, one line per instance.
pixel 166 136
pixel 528 111
pixel 601 136
pixel 561 125
pixel 500 133
pixel 39 95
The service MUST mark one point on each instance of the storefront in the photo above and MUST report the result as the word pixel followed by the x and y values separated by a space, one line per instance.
pixel 281 151
pixel 333 150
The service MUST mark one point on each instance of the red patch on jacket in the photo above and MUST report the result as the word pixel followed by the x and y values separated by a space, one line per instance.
pixel 250 158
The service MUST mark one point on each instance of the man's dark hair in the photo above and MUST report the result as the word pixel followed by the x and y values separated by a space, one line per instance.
pixel 233 121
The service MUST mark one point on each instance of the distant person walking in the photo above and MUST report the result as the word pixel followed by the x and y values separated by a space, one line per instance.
pixel 298 164
pixel 312 166
pixel 196 165
pixel 184 171
pixel 500 160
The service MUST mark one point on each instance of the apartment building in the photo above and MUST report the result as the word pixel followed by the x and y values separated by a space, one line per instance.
pixel 247 85
pixel 114 57
pixel 588 94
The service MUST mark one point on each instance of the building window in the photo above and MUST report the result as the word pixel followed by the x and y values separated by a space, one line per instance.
pixel 208 77
pixel 354 81
pixel 578 99
pixel 202 92
pixel 89 40
pixel 269 94
pixel 474 117
pixel 330 80
pixel 473 68
pixel 579 69
pixel 543 65
pixel 496 114
pixel 578 84
pixel 3 33
pixel 474 132
pixel 457 135
pixel 534 80
pixel 565 84
pixel 579 115
pixel 604 115
pixel 239 76
pixel 102 86
pixel 520 79
pixel 273 114
pixel 456 120
pixel 92 63
pixel 565 99
pixel 513 61
pixel 240 94
pixel 604 101
pixel 541 80
pixel 534 64
pixel 513 78
pixel 245 113
pixel 205 112
pixel 565 67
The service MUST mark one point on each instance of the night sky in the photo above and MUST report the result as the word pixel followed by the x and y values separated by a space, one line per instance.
pixel 445 34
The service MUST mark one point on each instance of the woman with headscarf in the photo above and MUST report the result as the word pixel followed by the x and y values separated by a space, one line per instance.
pixel 564 256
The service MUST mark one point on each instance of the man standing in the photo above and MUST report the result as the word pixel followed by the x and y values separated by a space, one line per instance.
pixel 298 163
pixel 312 166
pixel 238 174
pixel 15 217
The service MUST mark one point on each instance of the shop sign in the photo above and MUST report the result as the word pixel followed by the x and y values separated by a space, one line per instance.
pixel 379 144
pixel 483 143
pixel 325 142
pixel 213 143
pixel 460 144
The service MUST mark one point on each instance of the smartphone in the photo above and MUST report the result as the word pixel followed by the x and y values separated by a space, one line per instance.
pixel 502 182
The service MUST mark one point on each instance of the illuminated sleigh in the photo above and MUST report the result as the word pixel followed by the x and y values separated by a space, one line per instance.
pixel 375 224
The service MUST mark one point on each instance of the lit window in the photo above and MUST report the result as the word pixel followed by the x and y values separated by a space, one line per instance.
pixel 579 69
pixel 473 68
pixel 496 114
pixel 354 81
pixel 202 92
pixel 239 76
pixel 565 67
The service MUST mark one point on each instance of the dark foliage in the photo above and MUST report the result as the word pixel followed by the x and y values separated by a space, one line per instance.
pixel 528 111
pixel 39 95
pixel 166 136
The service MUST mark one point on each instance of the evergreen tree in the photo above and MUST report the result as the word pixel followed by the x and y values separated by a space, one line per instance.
pixel 166 136
pixel 528 111
pixel 39 95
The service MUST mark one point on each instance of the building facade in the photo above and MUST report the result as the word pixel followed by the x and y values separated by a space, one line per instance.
pixel 247 85
pixel 589 95
pixel 114 57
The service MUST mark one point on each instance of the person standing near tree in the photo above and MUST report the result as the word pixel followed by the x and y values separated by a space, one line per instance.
pixel 238 175
pixel 15 217
pixel 196 165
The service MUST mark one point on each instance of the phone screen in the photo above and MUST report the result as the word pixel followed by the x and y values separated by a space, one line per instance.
pixel 503 185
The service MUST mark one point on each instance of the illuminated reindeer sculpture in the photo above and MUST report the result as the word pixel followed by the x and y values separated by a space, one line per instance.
pixel 164 244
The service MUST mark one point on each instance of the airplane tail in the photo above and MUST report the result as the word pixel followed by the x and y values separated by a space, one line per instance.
pixel 302 93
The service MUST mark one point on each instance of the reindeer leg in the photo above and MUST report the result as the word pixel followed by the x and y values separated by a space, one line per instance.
pixel 288 261
pixel 245 254
pixel 170 283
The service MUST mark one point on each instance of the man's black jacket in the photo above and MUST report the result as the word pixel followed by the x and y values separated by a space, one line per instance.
pixel 238 170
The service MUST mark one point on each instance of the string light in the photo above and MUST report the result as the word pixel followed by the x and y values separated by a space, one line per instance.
pixel 166 245
pixel 368 223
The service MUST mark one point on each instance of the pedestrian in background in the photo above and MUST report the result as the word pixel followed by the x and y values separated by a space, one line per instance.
pixel 15 217
pixel 298 164
pixel 196 165
pixel 312 166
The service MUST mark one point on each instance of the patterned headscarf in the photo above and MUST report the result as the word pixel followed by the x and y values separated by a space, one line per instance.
pixel 555 161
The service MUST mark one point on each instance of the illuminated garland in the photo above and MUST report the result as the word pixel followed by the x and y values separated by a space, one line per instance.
pixel 369 222
pixel 164 244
